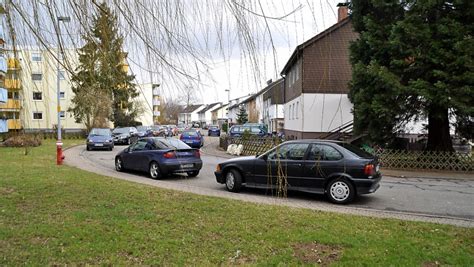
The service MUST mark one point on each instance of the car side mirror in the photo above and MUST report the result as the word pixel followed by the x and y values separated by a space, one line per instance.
pixel 264 157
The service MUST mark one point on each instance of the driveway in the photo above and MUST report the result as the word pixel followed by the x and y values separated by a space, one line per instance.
pixel 436 200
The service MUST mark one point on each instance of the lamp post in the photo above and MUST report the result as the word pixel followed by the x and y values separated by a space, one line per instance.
pixel 59 143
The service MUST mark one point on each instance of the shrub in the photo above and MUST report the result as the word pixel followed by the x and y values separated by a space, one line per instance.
pixel 23 140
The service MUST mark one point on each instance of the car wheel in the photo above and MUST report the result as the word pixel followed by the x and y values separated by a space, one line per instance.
pixel 193 174
pixel 88 148
pixel 233 180
pixel 111 148
pixel 118 164
pixel 155 171
pixel 340 191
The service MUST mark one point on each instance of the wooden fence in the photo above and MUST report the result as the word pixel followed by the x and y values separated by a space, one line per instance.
pixel 390 159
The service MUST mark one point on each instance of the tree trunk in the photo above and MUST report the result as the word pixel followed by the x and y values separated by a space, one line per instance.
pixel 439 138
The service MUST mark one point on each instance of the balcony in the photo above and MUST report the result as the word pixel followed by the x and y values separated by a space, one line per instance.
pixel 156 102
pixel 156 92
pixel 3 95
pixel 156 113
pixel 13 64
pixel 14 124
pixel 12 84
pixel 11 104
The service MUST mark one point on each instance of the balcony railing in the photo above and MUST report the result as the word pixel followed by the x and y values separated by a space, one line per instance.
pixel 156 92
pixel 156 102
pixel 156 113
pixel 11 104
pixel 13 64
pixel 12 84
pixel 14 124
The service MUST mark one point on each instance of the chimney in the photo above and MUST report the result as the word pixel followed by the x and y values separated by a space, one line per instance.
pixel 342 11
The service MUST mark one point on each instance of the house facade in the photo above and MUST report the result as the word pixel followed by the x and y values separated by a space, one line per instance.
pixel 205 115
pixel 219 115
pixel 316 79
pixel 234 107
pixel 190 114
pixel 273 106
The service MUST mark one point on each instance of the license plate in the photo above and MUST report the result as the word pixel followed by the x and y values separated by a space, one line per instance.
pixel 98 144
pixel 185 166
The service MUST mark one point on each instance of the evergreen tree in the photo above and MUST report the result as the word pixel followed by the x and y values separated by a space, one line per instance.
pixel 413 60
pixel 242 117
pixel 101 74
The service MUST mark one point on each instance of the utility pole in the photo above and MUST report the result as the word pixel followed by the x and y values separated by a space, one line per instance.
pixel 59 143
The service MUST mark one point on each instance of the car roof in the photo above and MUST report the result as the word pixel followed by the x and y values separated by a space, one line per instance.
pixel 315 141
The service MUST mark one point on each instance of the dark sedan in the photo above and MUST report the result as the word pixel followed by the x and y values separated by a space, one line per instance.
pixel 339 170
pixel 100 138
pixel 214 130
pixel 159 157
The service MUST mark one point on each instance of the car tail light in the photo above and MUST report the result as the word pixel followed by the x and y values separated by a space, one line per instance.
pixel 169 155
pixel 197 153
pixel 369 169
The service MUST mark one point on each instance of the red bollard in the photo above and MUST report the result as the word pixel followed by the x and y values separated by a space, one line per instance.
pixel 59 153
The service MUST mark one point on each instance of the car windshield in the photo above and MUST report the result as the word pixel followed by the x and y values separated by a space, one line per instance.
pixel 142 128
pixel 122 130
pixel 190 133
pixel 100 132
pixel 162 143
pixel 357 151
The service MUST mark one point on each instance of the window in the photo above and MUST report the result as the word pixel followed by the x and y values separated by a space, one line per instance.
pixel 37 96
pixel 62 95
pixel 61 74
pixel 289 152
pixel 13 95
pixel 323 152
pixel 36 57
pixel 37 115
pixel 297 109
pixel 36 76
pixel 62 114
pixel 138 146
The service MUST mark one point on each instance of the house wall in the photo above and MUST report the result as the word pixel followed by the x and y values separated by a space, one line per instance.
pixel 48 87
pixel 145 99
pixel 309 115
pixel 293 81
pixel 326 66
pixel 253 113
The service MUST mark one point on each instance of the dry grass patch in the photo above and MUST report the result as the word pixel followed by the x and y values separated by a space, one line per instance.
pixel 315 253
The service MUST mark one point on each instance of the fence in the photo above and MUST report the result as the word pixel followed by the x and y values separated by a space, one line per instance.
pixel 425 160
pixel 390 159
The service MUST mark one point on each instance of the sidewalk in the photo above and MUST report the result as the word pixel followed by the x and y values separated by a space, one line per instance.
pixel 212 149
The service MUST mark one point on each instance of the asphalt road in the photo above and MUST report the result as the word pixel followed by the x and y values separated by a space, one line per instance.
pixel 439 200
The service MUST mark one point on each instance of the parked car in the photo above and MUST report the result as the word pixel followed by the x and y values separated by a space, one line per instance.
pixel 157 130
pixel 339 170
pixel 239 130
pixel 100 138
pixel 259 125
pixel 214 130
pixel 144 131
pixel 192 138
pixel 124 135
pixel 159 157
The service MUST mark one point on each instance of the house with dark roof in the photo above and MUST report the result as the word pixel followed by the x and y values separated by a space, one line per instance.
pixel 205 115
pixel 273 102
pixel 190 114
pixel 316 82
pixel 234 106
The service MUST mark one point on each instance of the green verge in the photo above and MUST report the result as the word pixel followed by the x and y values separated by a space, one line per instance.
pixel 52 215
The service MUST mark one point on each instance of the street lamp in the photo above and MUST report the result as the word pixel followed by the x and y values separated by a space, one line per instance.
pixel 59 143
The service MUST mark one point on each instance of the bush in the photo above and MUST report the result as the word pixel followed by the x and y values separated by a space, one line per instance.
pixel 23 140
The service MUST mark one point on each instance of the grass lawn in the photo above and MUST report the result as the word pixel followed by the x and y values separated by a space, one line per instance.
pixel 62 215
